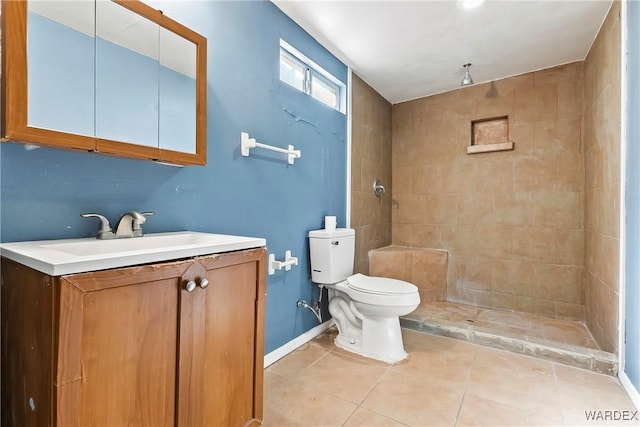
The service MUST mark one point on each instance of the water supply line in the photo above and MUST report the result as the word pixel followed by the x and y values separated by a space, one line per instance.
pixel 315 310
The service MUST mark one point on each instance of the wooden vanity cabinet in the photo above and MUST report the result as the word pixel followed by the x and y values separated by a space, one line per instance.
pixel 133 347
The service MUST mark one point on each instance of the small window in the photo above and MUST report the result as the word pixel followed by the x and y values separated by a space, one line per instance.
pixel 305 75
pixel 325 91
pixel 292 71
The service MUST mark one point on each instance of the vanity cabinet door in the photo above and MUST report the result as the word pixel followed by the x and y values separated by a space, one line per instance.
pixel 222 341
pixel 117 347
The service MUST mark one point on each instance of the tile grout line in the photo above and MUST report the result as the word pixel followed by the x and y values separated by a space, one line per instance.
pixel 319 359
pixel 350 415
pixel 556 384
pixel 359 406
pixel 466 386
pixel 295 376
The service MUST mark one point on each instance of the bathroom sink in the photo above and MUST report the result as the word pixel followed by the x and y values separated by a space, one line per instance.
pixel 58 257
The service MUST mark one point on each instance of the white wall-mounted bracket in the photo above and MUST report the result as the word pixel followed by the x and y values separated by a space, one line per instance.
pixel 279 265
pixel 247 144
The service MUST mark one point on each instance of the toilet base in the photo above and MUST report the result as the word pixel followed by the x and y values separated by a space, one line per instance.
pixel 388 357
pixel 378 338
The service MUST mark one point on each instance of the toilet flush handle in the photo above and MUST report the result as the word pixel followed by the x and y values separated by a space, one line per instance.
pixel 335 243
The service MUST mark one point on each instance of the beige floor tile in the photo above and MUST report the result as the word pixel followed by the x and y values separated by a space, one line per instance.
pixel 478 411
pixel 444 381
pixel 588 379
pixel 500 361
pixel 325 340
pixel 584 393
pixel 514 380
pixel 346 377
pixel 296 361
pixel 514 388
pixel 414 402
pixel 289 403
pixel 437 358
pixel 365 418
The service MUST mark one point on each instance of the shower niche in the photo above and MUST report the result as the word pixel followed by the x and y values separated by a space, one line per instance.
pixel 489 135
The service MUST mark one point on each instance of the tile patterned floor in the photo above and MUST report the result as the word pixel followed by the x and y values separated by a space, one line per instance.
pixel 444 382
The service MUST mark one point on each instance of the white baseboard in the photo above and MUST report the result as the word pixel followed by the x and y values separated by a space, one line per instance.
pixel 280 352
pixel 633 393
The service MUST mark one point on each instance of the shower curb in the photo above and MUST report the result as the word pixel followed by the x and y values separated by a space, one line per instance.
pixel 579 357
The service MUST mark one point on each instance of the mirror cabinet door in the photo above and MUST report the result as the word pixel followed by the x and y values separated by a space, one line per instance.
pixel 114 76
pixel 177 92
pixel 60 57
pixel 127 47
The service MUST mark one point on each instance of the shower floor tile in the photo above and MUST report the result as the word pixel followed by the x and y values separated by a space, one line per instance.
pixel 564 341
pixel 444 382
pixel 523 325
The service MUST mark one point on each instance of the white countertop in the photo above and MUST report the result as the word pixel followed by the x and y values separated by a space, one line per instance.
pixel 68 256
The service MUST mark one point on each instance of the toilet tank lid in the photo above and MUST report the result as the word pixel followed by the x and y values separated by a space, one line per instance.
pixel 332 234
pixel 380 285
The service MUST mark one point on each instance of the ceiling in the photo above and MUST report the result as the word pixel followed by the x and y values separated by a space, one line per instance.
pixel 410 49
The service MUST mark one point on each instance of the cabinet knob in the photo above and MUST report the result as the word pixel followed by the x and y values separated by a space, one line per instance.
pixel 204 283
pixel 191 285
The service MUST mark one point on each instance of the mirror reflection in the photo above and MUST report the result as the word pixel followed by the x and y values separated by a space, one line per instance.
pixel 127 47
pixel 60 57
pixel 177 92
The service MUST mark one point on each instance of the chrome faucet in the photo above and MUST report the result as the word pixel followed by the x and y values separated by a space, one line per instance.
pixel 129 225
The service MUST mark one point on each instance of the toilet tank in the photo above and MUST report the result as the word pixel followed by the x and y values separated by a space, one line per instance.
pixel 331 253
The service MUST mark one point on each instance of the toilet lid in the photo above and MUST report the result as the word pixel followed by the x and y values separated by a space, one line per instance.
pixel 380 285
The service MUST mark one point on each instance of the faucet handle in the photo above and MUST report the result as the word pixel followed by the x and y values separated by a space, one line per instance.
pixel 137 225
pixel 105 227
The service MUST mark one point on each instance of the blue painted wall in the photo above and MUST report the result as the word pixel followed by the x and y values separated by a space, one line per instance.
pixel 632 264
pixel 43 191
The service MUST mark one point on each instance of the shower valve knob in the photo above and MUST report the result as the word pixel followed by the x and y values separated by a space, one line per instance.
pixel 378 188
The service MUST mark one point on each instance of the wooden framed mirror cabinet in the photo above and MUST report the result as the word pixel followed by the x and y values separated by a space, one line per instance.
pixel 111 76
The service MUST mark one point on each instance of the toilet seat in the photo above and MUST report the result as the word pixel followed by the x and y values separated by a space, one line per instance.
pixel 369 290
pixel 380 285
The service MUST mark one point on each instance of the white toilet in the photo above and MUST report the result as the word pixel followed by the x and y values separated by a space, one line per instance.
pixel 366 309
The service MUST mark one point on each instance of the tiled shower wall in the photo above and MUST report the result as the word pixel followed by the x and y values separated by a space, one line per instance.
pixel 522 231
pixel 370 159
pixel 512 221
pixel 602 183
